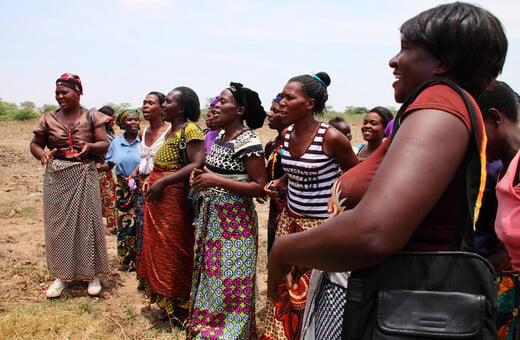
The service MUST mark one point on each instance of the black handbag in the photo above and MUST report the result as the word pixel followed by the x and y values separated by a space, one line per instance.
pixel 193 197
pixel 429 295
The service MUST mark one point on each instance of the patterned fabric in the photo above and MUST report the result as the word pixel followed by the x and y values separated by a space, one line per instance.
pixel 273 152
pixel 224 279
pixel 168 156
pixel 126 224
pixel 329 315
pixel 74 236
pixel 311 176
pixel 224 158
pixel 108 197
pixel 139 210
pixel 166 264
pixel 284 319
pixel 508 322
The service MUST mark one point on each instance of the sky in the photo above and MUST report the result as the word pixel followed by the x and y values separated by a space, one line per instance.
pixel 123 49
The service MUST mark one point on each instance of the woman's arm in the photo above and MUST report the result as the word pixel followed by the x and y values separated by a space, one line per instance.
pixel 255 167
pixel 337 145
pixel 98 147
pixel 196 154
pixel 418 167
pixel 37 147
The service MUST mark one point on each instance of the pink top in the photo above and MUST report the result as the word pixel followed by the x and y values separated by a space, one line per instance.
pixel 507 222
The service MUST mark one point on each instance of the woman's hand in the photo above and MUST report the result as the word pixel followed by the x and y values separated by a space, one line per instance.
pixel 48 155
pixel 85 149
pixel 201 179
pixel 276 273
pixel 155 191
pixel 274 188
pixel 332 208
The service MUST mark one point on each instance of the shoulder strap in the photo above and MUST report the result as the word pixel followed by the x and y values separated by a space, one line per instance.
pixel 474 171
pixel 182 145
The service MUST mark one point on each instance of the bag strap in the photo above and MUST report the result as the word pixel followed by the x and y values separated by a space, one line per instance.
pixel 182 145
pixel 474 172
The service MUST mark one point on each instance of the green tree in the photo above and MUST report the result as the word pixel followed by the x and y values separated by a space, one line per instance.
pixel 7 109
pixel 28 105
pixel 359 110
pixel 48 107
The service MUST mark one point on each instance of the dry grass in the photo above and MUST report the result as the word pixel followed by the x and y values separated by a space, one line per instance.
pixel 120 312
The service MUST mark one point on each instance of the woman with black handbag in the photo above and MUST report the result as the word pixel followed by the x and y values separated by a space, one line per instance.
pixel 417 192
pixel 166 264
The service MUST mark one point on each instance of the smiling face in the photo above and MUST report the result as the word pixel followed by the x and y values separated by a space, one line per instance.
pixel 413 65
pixel 171 108
pixel 226 110
pixel 373 128
pixel 294 104
pixel 67 98
pixel 131 123
pixel 151 107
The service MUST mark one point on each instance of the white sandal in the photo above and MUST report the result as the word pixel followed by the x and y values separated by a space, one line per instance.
pixel 56 289
pixel 94 287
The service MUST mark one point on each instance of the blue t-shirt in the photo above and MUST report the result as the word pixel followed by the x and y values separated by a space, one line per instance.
pixel 123 155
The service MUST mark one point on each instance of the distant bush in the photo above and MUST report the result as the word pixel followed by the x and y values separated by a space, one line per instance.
pixel 9 111
pixel 25 114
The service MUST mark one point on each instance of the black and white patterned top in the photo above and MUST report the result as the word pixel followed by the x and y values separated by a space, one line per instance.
pixel 311 176
pixel 226 158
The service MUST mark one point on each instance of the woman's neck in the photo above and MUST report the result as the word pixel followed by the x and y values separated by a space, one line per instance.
pixel 374 144
pixel 156 124
pixel 306 126
pixel 130 136
pixel 232 130
pixel 177 123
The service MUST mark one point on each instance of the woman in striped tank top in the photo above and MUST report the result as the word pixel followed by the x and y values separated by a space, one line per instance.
pixel 312 158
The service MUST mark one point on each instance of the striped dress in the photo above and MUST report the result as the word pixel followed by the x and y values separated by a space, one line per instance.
pixel 311 176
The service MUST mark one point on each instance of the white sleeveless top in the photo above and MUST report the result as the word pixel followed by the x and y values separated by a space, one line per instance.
pixel 147 152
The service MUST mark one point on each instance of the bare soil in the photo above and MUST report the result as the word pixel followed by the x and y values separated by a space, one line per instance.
pixel 119 312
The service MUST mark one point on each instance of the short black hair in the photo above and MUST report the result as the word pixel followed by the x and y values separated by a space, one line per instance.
pixel 107 110
pixel 469 40
pixel 498 95
pixel 384 113
pixel 159 96
pixel 315 88
pixel 190 101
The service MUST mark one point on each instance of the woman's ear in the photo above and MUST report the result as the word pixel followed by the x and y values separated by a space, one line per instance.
pixel 494 116
pixel 311 102
pixel 241 110
pixel 441 69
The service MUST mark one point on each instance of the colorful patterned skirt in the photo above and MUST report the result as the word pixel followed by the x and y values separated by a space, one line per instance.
pixel 108 197
pixel 74 235
pixel 126 224
pixel 284 319
pixel 223 292
pixel 508 322
pixel 166 265
pixel 139 210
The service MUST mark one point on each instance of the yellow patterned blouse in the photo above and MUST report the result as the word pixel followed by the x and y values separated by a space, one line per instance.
pixel 168 156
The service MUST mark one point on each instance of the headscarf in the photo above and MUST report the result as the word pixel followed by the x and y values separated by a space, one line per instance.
pixel 254 113
pixel 214 102
pixel 71 81
pixel 278 98
pixel 122 116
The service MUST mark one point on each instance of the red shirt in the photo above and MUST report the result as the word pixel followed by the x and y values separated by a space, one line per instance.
pixel 435 231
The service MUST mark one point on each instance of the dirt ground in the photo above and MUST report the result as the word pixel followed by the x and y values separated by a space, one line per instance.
pixel 119 312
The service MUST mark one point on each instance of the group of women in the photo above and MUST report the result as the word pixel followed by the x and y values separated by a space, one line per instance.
pixel 331 212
